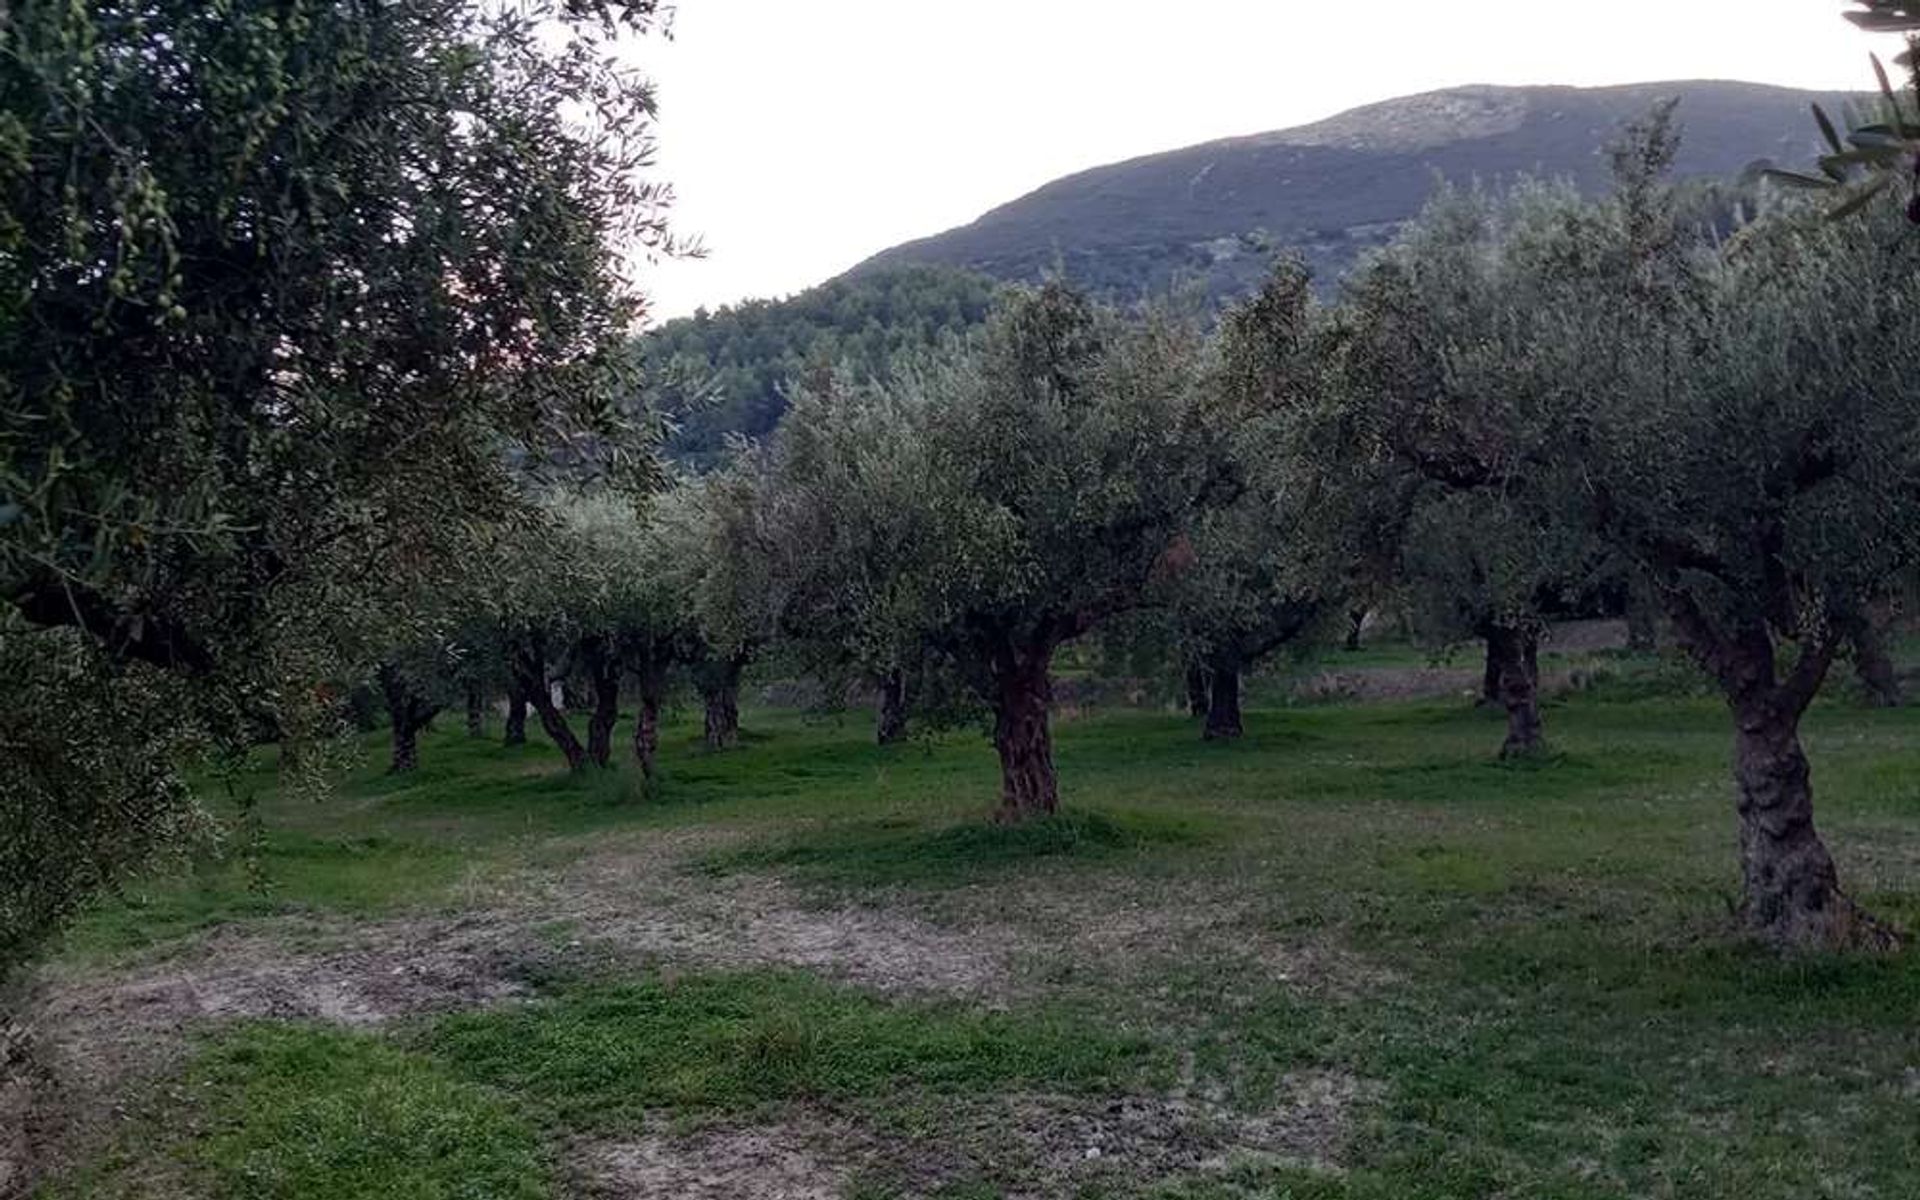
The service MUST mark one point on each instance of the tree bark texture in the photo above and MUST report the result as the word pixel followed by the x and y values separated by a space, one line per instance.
pixel 1356 625
pixel 530 667
pixel 409 713
pixel 890 722
pixel 516 725
pixel 603 678
pixel 1029 786
pixel 1223 700
pixel 1790 889
pixel 1514 665
pixel 646 722
pixel 721 692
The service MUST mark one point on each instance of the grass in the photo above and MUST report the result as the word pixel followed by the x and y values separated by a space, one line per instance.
pixel 298 1112
pixel 1527 968
pixel 606 1054
pixel 904 852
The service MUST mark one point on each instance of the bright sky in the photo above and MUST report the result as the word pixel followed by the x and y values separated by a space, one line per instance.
pixel 803 135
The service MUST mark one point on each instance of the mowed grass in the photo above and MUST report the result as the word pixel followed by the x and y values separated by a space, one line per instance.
pixel 1548 1000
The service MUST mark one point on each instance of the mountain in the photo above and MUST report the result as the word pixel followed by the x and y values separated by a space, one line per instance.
pixel 1333 188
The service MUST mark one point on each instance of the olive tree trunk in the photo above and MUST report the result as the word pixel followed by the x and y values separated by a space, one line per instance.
pixel 1790 890
pixel 1223 700
pixel 1023 689
pixel 530 667
pixel 890 722
pixel 646 722
pixel 603 678
pixel 1514 665
pixel 1356 625
pixel 1198 696
pixel 516 725
pixel 408 713
pixel 720 690
pixel 476 711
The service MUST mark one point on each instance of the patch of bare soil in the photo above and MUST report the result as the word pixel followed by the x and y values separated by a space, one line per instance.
pixel 789 1161
pixel 1032 1147
pixel 739 921
pixel 634 900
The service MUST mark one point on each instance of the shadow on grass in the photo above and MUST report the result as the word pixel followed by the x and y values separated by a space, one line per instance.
pixel 909 853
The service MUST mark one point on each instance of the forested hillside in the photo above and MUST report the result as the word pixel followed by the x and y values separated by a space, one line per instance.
pixel 727 371
pixel 1210 216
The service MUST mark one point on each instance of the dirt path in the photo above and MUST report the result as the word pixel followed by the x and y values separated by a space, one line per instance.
pixel 631 902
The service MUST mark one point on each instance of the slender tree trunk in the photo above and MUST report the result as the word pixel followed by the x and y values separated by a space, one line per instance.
pixel 603 676
pixel 646 722
pixel 1197 694
pixel 406 748
pixel 516 727
pixel 1513 664
pixel 1872 665
pixel 890 724
pixel 1356 624
pixel 531 670
pixel 476 711
pixel 1223 702
pixel 721 693
pixel 1029 787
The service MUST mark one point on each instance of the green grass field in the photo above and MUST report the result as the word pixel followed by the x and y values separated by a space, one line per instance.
pixel 1350 956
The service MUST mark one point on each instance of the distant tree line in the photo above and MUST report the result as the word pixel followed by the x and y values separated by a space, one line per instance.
pixel 732 371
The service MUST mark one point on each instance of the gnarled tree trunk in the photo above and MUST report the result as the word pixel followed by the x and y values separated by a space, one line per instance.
pixel 603 677
pixel 720 690
pixel 890 722
pixel 1513 662
pixel 1790 891
pixel 516 726
pixel 1223 700
pixel 530 668
pixel 1023 688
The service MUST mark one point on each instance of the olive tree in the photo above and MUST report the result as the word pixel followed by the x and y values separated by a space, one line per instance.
pixel 1734 416
pixel 287 289
pixel 643 621
pixel 734 587
pixel 838 479
pixel 1754 442
pixel 1444 410
pixel 1259 575
pixel 1050 474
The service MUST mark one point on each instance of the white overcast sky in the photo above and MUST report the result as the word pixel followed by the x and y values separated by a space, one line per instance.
pixel 803 135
